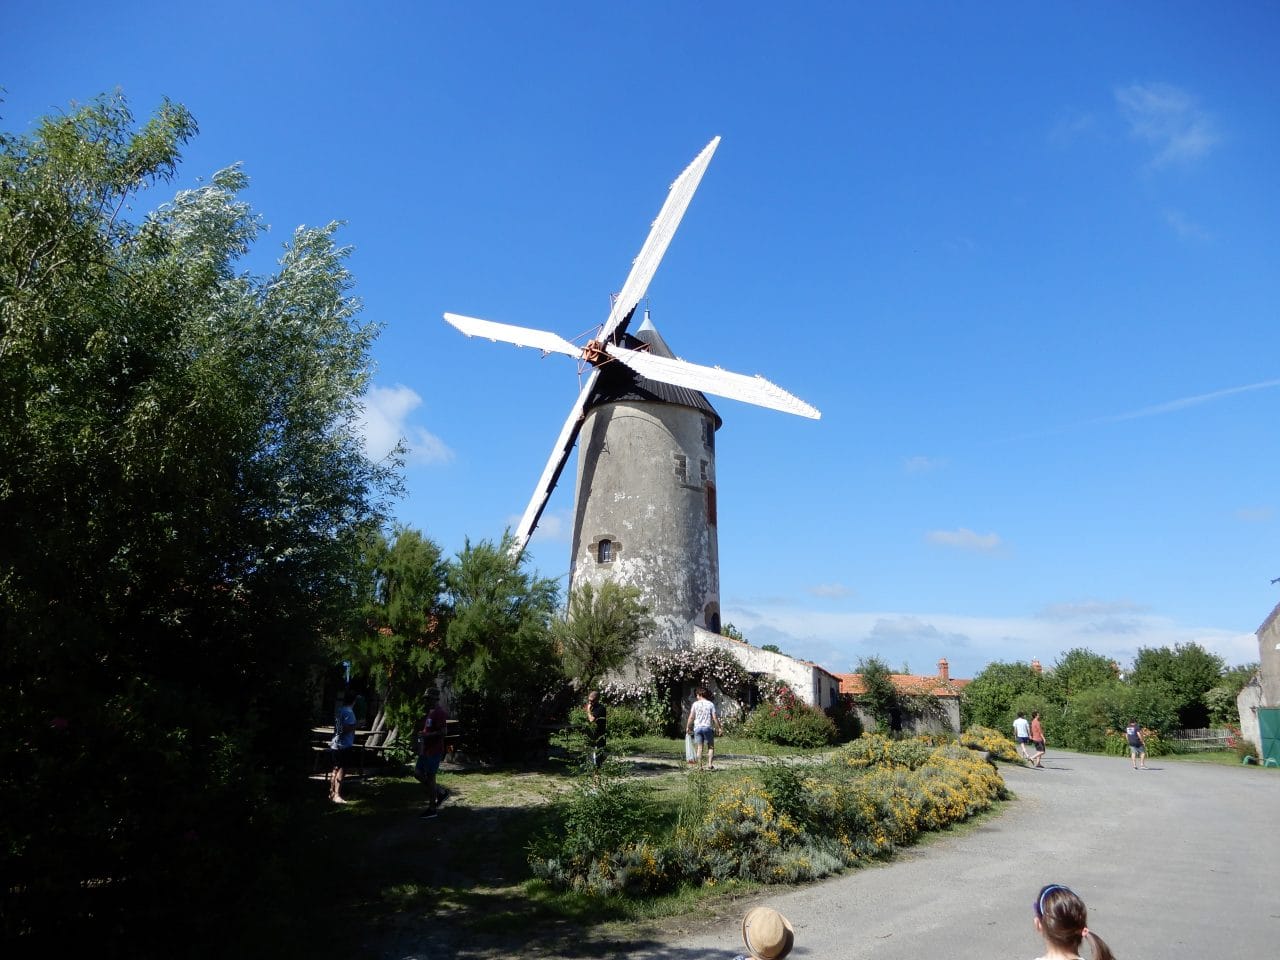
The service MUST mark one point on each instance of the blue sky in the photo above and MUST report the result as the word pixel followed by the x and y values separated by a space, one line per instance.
pixel 1023 257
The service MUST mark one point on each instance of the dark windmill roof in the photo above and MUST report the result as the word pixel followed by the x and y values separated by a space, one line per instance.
pixel 619 383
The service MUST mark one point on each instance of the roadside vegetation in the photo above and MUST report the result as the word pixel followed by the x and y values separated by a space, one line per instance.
pixel 641 840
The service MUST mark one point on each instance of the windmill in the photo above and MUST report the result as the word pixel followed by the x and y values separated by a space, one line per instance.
pixel 644 510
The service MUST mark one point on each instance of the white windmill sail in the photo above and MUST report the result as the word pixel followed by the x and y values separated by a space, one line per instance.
pixel 521 336
pixel 664 226
pixel 723 383
pixel 555 464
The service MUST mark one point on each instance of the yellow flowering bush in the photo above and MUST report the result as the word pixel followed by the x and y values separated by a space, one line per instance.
pixel 791 824
pixel 992 741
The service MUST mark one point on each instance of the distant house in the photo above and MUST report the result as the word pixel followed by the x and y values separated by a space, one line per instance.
pixel 937 699
pixel 1259 701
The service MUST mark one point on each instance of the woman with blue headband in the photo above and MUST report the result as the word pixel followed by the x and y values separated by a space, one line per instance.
pixel 1061 919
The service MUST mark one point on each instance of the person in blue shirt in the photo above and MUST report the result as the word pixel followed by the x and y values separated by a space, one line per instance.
pixel 342 744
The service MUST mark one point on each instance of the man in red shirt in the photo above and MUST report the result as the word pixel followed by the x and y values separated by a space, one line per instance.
pixel 430 745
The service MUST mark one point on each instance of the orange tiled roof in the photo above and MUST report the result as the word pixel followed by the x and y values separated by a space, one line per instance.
pixel 906 683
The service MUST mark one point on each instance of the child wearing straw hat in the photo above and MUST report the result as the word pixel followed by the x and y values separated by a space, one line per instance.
pixel 767 934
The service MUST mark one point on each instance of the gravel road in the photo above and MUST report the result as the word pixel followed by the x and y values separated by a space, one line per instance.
pixel 1177 862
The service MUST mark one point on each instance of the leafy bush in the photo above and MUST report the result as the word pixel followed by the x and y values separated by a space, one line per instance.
pixel 624 721
pixel 1117 744
pixel 845 716
pixel 605 813
pixel 790 722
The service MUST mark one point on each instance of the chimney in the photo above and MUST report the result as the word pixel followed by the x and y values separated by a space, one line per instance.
pixel 1035 665
pixel 944 670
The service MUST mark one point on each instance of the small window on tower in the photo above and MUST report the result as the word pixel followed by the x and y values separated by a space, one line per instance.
pixel 711 504
pixel 604 551
pixel 681 467
pixel 709 432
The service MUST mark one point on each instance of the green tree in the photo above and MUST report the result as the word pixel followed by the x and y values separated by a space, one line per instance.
pixel 989 699
pixel 498 652
pixel 600 631
pixel 181 492
pixel 1221 699
pixel 1189 670
pixel 398 622
pixel 879 696
pixel 1080 669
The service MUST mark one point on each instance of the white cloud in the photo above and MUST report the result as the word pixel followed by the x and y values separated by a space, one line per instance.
pixel 830 590
pixel 1169 119
pixel 963 539
pixel 554 526
pixel 922 464
pixel 1184 227
pixel 385 411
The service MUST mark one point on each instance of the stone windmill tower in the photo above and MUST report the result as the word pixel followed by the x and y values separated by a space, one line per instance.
pixel 645 505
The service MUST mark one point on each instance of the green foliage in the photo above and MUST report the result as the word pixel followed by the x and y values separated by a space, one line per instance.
pixel 845 716
pixel 879 696
pixel 989 699
pixel 601 630
pixel 624 721
pixel 498 653
pixel 1080 669
pixel 397 621
pixel 1116 744
pixel 1091 713
pixel 793 823
pixel 1188 671
pixel 790 722
pixel 182 490
pixel 606 813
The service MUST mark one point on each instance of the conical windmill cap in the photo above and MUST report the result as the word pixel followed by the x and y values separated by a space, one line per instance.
pixel 618 383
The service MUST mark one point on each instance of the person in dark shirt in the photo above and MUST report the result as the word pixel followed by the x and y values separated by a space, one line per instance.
pixel 596 713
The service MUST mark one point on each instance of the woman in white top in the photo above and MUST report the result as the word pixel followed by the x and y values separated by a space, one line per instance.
pixel 704 724
pixel 1061 919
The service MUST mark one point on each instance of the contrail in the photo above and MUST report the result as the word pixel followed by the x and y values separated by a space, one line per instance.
pixel 1185 402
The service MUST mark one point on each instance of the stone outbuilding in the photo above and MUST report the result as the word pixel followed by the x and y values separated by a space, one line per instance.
pixel 1259 701
pixel 940 694
pixel 809 682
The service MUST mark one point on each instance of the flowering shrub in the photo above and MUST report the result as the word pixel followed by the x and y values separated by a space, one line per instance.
pixel 794 823
pixel 992 741
pixel 790 722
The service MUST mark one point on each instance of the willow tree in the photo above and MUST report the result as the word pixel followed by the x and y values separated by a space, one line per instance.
pixel 181 489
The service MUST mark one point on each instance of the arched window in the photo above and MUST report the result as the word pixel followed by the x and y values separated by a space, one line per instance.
pixel 604 551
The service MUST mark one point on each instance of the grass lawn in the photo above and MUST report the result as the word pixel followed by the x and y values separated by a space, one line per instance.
pixel 1222 757
pixel 464 876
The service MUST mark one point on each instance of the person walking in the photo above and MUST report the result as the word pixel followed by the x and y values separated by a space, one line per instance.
pixel 1022 733
pixel 431 746
pixel 341 747
pixel 1062 920
pixel 1137 745
pixel 598 727
pixel 704 724
pixel 1037 740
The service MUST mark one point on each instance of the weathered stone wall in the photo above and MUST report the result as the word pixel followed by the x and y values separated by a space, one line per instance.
pixel 811 683
pixel 1269 659
pixel 646 477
